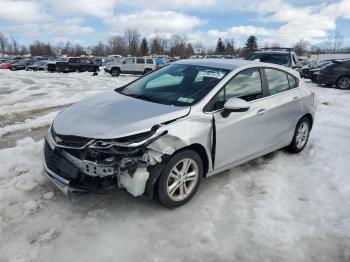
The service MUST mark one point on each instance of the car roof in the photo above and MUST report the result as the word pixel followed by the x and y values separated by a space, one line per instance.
pixel 273 52
pixel 229 64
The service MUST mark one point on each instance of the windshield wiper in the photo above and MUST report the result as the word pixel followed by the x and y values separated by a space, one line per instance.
pixel 150 99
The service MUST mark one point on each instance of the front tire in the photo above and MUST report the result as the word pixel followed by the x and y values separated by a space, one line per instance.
pixel 301 136
pixel 180 179
pixel 115 72
pixel 343 82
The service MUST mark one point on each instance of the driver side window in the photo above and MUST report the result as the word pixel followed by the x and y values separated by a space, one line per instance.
pixel 245 85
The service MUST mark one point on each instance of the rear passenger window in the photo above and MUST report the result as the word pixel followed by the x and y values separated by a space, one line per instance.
pixel 140 60
pixel 149 61
pixel 278 81
pixel 293 82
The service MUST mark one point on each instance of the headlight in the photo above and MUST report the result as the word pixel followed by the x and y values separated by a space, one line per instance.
pixel 128 143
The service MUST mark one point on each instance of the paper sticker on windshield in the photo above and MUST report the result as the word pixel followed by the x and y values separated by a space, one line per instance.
pixel 212 74
pixel 185 100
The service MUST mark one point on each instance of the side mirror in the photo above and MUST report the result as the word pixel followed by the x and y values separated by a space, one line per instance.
pixel 124 62
pixel 235 104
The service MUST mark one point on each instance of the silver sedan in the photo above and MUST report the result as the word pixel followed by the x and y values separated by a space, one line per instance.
pixel 161 134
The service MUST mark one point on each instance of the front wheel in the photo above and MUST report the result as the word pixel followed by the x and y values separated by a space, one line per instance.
pixel 343 82
pixel 180 179
pixel 115 72
pixel 301 136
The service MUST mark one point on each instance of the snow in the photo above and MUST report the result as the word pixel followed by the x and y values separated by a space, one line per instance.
pixel 280 207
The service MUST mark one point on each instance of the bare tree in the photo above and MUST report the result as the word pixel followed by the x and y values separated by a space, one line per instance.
pixel 132 38
pixel 3 43
pixel 301 47
pixel 117 46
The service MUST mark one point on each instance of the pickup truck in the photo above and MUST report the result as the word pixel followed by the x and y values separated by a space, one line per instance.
pixel 77 64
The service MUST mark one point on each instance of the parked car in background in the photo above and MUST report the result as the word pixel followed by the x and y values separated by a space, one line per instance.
pixel 38 65
pixel 21 64
pixel 51 64
pixel 131 65
pixel 163 133
pixel 77 64
pixel 337 73
pixel 6 64
pixel 160 61
pixel 308 70
pixel 286 58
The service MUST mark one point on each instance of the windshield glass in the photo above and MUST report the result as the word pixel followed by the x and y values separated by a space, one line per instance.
pixel 280 59
pixel 176 84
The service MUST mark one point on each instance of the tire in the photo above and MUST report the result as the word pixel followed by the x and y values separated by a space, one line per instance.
pixel 148 70
pixel 343 82
pixel 301 136
pixel 115 72
pixel 174 196
pixel 12 68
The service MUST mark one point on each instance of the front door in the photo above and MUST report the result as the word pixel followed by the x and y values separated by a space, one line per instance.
pixel 240 135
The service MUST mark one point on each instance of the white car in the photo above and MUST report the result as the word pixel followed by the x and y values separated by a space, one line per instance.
pixel 161 134
pixel 131 65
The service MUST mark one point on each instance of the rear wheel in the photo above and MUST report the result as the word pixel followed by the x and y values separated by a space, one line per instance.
pixel 148 70
pixel 115 72
pixel 343 82
pixel 301 136
pixel 180 179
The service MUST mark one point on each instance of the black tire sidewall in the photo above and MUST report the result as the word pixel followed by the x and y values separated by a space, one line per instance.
pixel 339 81
pixel 293 145
pixel 162 195
pixel 117 72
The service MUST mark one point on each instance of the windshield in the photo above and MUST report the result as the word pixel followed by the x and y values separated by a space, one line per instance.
pixel 176 84
pixel 280 59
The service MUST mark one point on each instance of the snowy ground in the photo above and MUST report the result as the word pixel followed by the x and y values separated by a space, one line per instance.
pixel 280 207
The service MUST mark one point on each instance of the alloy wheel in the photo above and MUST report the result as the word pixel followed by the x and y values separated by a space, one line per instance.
pixel 302 135
pixel 344 83
pixel 182 179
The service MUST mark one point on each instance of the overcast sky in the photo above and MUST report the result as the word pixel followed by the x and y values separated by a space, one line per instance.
pixel 87 21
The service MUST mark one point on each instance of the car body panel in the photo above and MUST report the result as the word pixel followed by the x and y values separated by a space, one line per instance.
pixel 111 115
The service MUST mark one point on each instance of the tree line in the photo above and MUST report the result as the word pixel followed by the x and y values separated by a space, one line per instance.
pixel 131 43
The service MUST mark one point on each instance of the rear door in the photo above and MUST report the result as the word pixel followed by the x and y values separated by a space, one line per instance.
pixel 242 134
pixel 140 65
pixel 286 107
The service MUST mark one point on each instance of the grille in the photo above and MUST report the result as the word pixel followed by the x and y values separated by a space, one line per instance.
pixel 58 164
pixel 70 141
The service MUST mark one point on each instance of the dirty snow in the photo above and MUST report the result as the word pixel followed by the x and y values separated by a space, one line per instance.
pixel 280 207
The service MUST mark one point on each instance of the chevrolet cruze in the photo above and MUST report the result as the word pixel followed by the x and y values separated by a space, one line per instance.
pixel 161 134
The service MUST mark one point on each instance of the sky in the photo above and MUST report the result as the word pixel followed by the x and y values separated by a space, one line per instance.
pixel 88 21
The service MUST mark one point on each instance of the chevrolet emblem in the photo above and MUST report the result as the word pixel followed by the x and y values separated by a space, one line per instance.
pixel 58 139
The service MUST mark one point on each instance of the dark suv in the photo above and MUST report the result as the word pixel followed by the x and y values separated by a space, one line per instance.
pixel 338 74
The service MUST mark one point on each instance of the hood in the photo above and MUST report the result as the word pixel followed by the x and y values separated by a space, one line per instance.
pixel 112 115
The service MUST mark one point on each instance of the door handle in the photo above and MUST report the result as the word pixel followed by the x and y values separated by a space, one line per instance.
pixel 261 112
pixel 295 98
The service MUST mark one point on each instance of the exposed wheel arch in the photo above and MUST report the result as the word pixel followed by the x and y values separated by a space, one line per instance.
pixel 201 152
pixel 156 170
pixel 309 116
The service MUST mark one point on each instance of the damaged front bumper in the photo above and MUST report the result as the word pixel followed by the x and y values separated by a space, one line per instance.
pixel 71 170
